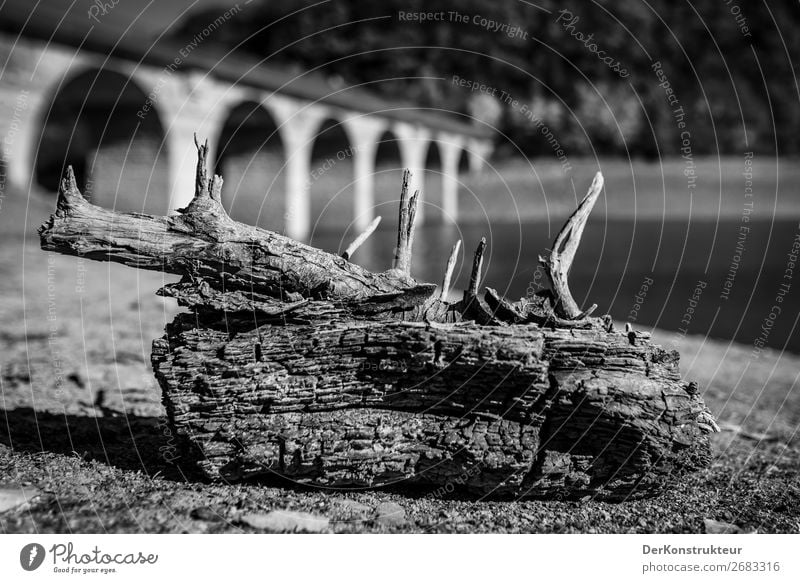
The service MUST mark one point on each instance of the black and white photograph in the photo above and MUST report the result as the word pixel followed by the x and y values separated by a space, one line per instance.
pixel 483 267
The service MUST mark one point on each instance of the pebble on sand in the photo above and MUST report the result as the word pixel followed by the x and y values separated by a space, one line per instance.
pixel 389 513
pixel 354 508
pixel 717 527
pixel 12 497
pixel 286 521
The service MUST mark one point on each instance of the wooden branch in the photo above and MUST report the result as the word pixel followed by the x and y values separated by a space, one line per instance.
pixel 351 248
pixel 203 242
pixel 559 263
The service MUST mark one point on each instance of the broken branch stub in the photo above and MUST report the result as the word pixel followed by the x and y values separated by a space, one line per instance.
pixel 477 268
pixel 358 241
pixel 448 273
pixel 558 265
pixel 405 228
pixel 297 362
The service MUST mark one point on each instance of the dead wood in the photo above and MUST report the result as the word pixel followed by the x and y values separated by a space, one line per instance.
pixel 297 362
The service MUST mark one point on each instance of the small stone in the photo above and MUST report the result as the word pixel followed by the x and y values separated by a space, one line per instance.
pixel 286 521
pixel 204 513
pixel 11 497
pixel 717 527
pixel 354 508
pixel 390 513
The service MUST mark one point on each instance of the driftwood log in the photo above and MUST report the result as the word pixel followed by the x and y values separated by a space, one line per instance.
pixel 297 362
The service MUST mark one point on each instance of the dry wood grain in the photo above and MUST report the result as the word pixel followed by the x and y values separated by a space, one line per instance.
pixel 297 362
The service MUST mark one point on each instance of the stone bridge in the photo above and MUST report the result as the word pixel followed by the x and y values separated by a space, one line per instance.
pixel 292 148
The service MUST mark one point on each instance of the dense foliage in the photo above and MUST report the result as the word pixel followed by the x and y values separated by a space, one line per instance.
pixel 730 64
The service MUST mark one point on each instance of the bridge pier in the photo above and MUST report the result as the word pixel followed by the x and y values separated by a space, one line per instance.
pixel 188 109
pixel 450 146
pixel 414 142
pixel 25 98
pixel 298 123
pixel 20 133
pixel 478 152
pixel 364 133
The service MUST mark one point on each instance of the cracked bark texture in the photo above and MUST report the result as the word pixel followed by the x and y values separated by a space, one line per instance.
pixel 296 362
pixel 515 410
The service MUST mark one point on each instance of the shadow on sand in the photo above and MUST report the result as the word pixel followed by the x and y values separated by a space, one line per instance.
pixel 128 442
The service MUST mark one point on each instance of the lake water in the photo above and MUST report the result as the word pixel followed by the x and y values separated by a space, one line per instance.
pixel 671 275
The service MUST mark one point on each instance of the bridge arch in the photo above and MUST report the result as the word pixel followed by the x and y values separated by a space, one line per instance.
pixel 433 184
pixel 388 175
pixel 96 121
pixel 331 179
pixel 251 158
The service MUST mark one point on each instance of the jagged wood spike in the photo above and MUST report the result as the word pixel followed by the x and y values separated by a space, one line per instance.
pixel 477 267
pixel 358 241
pixel 448 273
pixel 201 182
pixel 70 183
pixel 68 192
pixel 402 222
pixel 412 214
pixel 412 218
pixel 558 265
pixel 206 205
pixel 405 228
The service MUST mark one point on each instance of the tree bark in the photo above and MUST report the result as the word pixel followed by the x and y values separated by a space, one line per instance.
pixel 299 363
pixel 516 410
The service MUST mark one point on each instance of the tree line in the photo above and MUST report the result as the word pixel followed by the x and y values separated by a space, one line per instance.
pixel 602 76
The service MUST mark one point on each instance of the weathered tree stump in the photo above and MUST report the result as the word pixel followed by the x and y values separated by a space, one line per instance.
pixel 300 363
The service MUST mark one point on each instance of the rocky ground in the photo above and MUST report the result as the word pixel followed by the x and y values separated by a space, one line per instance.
pixel 84 446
